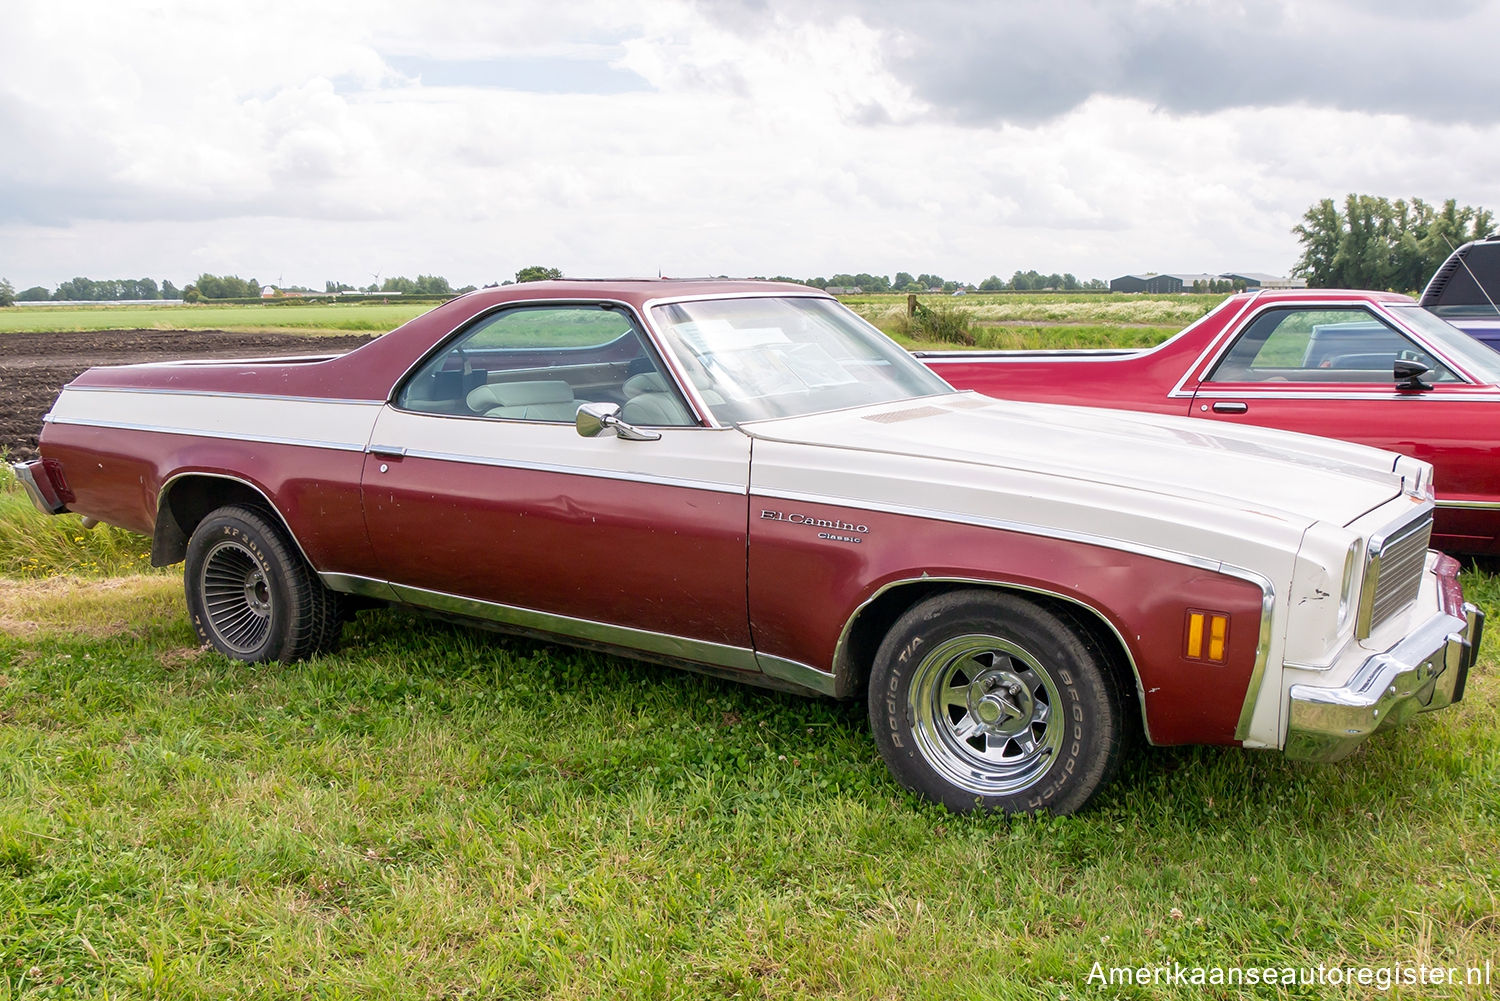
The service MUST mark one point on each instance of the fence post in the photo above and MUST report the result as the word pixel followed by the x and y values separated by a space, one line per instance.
pixel 911 304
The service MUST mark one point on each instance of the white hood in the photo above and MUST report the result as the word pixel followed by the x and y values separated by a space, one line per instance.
pixel 1037 461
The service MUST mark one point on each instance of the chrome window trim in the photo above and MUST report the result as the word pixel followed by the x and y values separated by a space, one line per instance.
pixel 528 422
pixel 280 397
pixel 1198 371
pixel 1230 326
pixel 647 332
pixel 687 385
pixel 201 433
pixel 1315 394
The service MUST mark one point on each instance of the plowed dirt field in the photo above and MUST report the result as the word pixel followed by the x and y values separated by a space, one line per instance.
pixel 34 367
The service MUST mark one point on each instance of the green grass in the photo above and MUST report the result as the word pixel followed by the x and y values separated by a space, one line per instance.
pixel 1176 311
pixel 335 317
pixel 1043 321
pixel 436 812
pixel 34 545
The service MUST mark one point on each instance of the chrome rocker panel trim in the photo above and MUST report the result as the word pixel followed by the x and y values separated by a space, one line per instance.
pixel 740 663
pixel 1424 672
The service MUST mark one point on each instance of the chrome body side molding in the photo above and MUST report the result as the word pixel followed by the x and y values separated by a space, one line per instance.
pixel 742 663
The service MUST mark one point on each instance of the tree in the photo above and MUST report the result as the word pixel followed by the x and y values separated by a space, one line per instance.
pixel 1377 243
pixel 169 291
pixel 226 287
pixel 420 285
pixel 994 283
pixel 537 273
pixel 7 293
pixel 34 294
pixel 902 281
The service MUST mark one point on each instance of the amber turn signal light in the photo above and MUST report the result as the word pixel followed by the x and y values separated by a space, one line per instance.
pixel 1207 636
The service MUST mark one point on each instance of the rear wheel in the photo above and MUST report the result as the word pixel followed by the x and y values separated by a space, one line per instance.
pixel 250 593
pixel 984 700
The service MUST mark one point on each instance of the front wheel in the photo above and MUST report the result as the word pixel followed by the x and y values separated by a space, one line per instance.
pixel 984 700
pixel 250 593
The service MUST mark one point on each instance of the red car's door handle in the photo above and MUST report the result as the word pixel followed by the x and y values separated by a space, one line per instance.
pixel 386 451
pixel 1223 407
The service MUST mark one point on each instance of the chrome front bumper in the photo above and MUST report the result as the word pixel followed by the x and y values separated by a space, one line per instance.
pixel 1425 671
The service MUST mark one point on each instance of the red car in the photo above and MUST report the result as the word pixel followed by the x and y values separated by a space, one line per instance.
pixel 1367 367
pixel 746 479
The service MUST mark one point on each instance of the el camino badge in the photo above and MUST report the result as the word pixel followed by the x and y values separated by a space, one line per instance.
pixel 831 530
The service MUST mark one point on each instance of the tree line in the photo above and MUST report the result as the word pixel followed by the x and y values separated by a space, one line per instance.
pixel 1376 243
pixel 208 287
pixel 1021 281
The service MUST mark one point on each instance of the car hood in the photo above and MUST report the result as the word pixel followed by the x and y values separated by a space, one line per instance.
pixel 1118 458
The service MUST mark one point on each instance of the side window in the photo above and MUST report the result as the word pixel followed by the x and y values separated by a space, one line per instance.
pixel 540 363
pixel 1322 345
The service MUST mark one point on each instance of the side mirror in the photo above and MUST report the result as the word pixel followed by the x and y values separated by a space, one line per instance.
pixel 1408 375
pixel 595 419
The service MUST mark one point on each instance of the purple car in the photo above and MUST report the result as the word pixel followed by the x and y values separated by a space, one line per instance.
pixel 1465 290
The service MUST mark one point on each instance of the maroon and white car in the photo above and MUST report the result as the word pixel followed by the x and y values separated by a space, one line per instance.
pixel 747 479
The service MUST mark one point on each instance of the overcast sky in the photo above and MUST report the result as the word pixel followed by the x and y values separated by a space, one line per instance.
pixel 308 141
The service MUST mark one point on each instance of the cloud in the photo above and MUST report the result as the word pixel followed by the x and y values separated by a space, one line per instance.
pixel 1030 60
pixel 754 138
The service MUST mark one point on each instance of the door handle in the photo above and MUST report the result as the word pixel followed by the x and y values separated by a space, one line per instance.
pixel 387 451
pixel 1227 407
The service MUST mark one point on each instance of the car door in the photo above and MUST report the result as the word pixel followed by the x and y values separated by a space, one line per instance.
pixel 1327 370
pixel 482 498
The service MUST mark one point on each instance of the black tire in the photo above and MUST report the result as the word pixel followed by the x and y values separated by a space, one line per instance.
pixel 983 700
pixel 250 593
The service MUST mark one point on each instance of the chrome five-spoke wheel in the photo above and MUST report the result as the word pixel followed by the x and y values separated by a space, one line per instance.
pixel 982 710
pixel 989 700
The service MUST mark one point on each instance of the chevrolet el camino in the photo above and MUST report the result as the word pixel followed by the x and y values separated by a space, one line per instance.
pixel 746 479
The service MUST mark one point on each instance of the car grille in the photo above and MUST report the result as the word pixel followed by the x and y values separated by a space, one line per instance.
pixel 1393 572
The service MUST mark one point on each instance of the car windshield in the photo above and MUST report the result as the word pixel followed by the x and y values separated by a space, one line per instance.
pixel 757 358
pixel 1479 361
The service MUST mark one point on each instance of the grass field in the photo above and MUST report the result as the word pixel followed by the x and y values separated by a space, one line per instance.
pixel 1002 321
pixel 436 812
pixel 339 317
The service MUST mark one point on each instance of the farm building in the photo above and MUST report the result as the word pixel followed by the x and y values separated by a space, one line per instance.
pixel 1158 283
pixel 1256 279
pixel 1165 283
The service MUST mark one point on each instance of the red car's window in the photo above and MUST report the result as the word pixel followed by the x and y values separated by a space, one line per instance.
pixel 1322 344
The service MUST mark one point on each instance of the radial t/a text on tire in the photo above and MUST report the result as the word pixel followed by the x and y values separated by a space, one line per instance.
pixel 251 594
pixel 986 700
